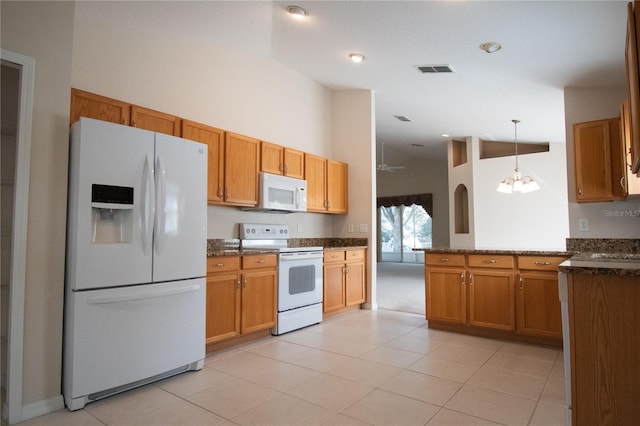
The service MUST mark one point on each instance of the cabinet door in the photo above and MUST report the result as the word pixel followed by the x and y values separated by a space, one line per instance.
pixel 258 300
pixel 223 306
pixel 214 138
pixel 355 288
pixel 337 187
pixel 156 121
pixel 592 154
pixel 446 295
pixel 315 172
pixel 333 287
pixel 491 299
pixel 538 305
pixel 633 82
pixel 271 158
pixel 632 180
pixel 241 160
pixel 294 163
pixel 85 104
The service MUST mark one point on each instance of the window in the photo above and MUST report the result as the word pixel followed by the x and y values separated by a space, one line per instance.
pixel 403 228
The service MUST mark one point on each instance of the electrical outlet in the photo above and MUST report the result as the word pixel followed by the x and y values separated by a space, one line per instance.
pixel 351 227
pixel 299 227
pixel 583 225
pixel 363 227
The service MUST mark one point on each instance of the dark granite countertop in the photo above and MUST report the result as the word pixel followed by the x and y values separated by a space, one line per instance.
pixel 603 263
pixel 231 246
pixel 521 252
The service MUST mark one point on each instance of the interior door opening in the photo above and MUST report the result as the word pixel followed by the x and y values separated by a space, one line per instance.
pixel 403 228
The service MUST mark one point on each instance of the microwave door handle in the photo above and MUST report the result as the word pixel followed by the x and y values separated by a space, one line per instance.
pixel 297 198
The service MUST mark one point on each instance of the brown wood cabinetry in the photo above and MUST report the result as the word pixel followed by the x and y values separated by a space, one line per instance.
pixel 85 104
pixel 344 279
pixel 537 301
pixel 605 342
pixel 281 160
pixel 327 185
pixel 156 121
pixel 633 82
pixel 494 295
pixel 596 144
pixel 214 138
pixel 445 292
pixel 241 161
pixel 241 295
pixel 491 291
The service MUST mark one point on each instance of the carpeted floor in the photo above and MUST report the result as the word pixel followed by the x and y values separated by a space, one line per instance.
pixel 401 287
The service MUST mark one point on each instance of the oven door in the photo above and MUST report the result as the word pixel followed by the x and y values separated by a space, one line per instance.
pixel 299 279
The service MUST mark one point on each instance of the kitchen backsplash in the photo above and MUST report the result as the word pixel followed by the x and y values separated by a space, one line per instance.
pixel 603 245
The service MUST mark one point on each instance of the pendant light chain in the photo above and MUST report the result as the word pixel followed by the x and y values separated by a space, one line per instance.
pixel 515 125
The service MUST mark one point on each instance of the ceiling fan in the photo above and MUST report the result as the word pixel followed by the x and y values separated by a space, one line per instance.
pixel 383 167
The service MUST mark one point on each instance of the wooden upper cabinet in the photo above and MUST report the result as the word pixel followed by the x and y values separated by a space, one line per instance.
pixel 294 163
pixel 156 121
pixel 279 160
pixel 592 155
pixel 632 180
pixel 85 104
pixel 633 82
pixel 315 173
pixel 241 165
pixel 337 187
pixel 271 158
pixel 214 138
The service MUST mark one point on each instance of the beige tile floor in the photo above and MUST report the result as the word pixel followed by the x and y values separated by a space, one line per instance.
pixel 360 368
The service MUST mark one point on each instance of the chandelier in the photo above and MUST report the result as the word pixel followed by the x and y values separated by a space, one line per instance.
pixel 517 183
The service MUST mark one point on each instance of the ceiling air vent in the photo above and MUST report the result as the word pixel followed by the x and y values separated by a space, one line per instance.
pixel 402 117
pixel 435 69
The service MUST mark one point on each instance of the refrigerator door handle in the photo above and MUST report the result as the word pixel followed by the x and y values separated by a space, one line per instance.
pixel 142 295
pixel 148 206
pixel 161 204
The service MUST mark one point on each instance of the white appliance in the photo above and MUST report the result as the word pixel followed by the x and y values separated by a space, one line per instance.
pixel 563 290
pixel 281 194
pixel 135 262
pixel 300 275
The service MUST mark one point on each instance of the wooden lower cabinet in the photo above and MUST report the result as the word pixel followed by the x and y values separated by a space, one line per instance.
pixel 241 295
pixel 344 279
pixel 605 343
pixel 496 295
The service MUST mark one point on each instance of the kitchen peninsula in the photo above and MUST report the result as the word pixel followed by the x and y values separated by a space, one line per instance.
pixel 506 294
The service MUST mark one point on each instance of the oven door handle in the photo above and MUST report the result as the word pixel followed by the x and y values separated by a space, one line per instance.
pixel 300 256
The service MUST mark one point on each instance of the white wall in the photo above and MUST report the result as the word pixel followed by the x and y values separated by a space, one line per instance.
pixel 215 85
pixel 534 221
pixel 44 31
pixel 619 219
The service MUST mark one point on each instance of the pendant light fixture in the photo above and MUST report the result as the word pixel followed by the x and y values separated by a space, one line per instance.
pixel 517 183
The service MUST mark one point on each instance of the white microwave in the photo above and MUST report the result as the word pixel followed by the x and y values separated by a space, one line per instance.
pixel 282 194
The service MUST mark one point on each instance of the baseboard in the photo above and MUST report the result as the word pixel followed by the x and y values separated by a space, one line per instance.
pixel 40 408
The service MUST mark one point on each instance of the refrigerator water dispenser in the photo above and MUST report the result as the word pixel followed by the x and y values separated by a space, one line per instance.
pixel 112 214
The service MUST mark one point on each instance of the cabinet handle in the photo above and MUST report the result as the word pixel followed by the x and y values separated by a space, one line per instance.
pixel 462 278
pixel 489 261
pixel 219 265
pixel 133 123
pixel 238 284
pixel 579 189
pixel 220 192
pixel 543 263
pixel 470 279
pixel 622 185
pixel 521 283
pixel 244 282
pixel 259 261
pixel 444 259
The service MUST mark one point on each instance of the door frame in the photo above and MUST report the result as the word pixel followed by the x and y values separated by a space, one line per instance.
pixel 15 336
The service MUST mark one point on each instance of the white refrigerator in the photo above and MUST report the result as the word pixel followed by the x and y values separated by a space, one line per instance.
pixel 135 260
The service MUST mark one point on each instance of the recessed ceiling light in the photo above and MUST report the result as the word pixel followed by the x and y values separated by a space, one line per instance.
pixel 297 12
pixel 491 46
pixel 419 145
pixel 356 57
pixel 402 117
pixel 445 135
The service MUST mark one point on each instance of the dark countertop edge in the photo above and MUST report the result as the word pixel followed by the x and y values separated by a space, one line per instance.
pixel 584 263
pixel 241 252
pixel 523 252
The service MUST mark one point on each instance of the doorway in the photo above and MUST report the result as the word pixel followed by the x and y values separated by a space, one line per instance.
pixel 17 83
pixel 403 228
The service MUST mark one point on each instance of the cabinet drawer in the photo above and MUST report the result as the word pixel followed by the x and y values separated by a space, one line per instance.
pixel 491 261
pixel 222 264
pixel 444 259
pixel 354 254
pixel 259 261
pixel 334 256
pixel 540 263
